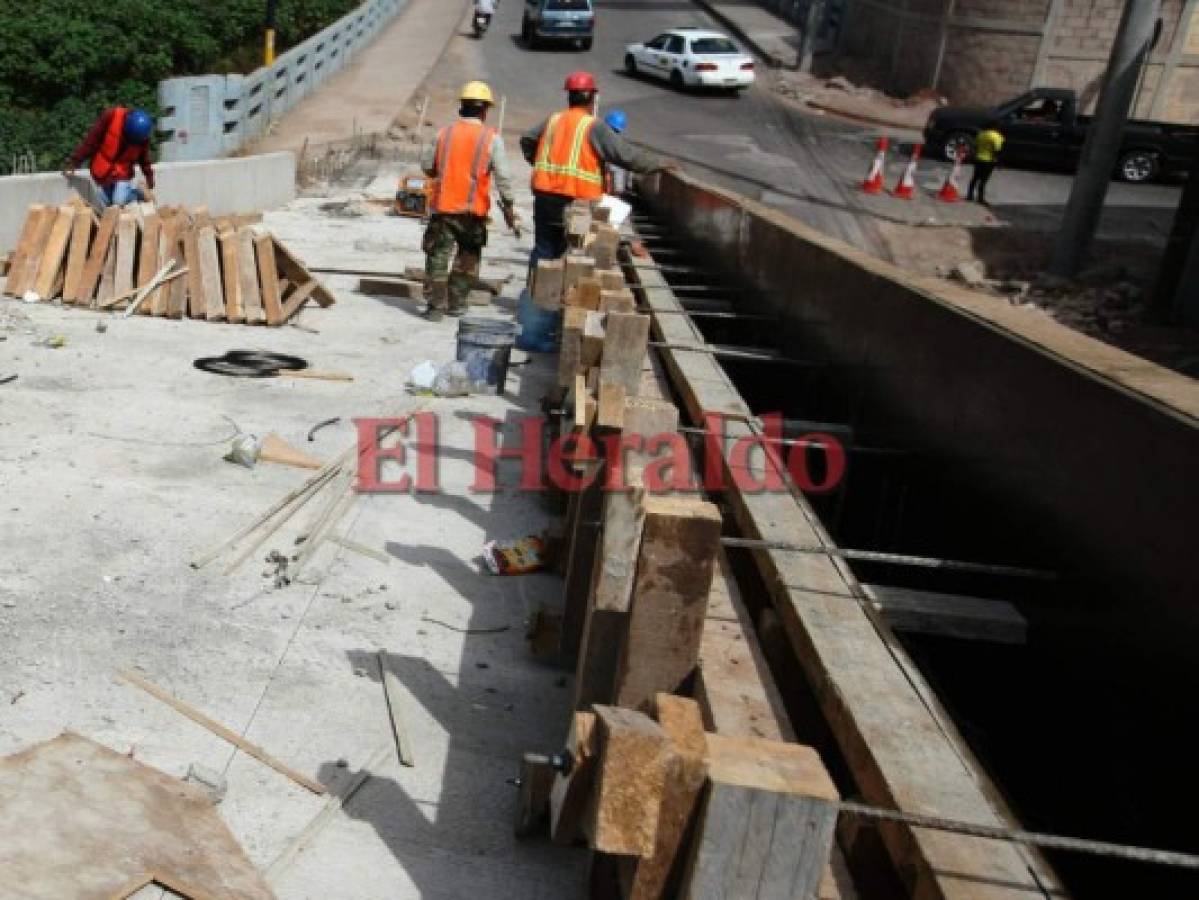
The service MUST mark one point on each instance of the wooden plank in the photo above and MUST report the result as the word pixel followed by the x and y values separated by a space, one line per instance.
pixel 607 243
pixel 126 255
pixel 765 829
pixel 147 259
pixel 581 561
pixel 178 294
pixel 298 298
pixel 650 878
pixel 648 425
pixel 570 353
pixel 621 301
pixel 612 280
pixel 54 253
pixel 210 274
pixel 16 260
pixel 221 731
pixel 576 269
pixel 393 692
pixel 533 804
pixel 296 272
pixel 633 767
pixel 612 399
pixel 231 277
pixel 98 256
pixel 626 337
pixel 158 303
pixel 248 276
pixel 591 349
pixel 268 278
pixel 586 293
pixel 196 307
pixel 949 615
pixel 679 543
pixel 571 791
pixel 108 278
pixel 547 283
pixel 23 273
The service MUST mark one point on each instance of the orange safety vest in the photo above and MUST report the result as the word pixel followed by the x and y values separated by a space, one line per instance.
pixel 112 162
pixel 566 163
pixel 463 165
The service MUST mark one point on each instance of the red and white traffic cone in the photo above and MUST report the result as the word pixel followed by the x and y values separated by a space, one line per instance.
pixel 874 181
pixel 906 189
pixel 949 192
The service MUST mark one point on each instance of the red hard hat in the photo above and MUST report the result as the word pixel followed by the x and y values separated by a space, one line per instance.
pixel 580 81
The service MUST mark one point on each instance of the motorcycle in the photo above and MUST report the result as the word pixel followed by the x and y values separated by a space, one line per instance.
pixel 482 23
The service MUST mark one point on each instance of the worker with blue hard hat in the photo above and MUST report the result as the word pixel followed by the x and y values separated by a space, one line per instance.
pixel 616 179
pixel 118 141
pixel 617 120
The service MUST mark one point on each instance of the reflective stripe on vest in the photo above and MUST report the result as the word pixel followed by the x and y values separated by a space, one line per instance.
pixel 566 163
pixel 463 164
pixel 112 162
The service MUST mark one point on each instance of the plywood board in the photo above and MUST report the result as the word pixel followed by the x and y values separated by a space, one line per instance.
pixel 247 271
pixel 268 279
pixel 127 241
pixel 23 272
pixel 54 253
pixel 81 238
pixel 210 274
pixel 231 276
pixel 148 258
pixel 98 255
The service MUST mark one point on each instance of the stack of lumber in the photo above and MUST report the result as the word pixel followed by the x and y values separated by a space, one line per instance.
pixel 173 262
pixel 684 776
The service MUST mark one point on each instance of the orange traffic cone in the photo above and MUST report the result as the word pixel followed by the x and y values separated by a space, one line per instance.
pixel 949 192
pixel 906 189
pixel 874 181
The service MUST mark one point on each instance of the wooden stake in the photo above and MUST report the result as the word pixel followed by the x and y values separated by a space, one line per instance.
pixel 221 731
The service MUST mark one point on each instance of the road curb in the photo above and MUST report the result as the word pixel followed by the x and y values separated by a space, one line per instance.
pixel 771 59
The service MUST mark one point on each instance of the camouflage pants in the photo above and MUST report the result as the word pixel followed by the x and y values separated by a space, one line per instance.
pixel 468 235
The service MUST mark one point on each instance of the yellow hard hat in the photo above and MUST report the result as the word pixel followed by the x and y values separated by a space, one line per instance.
pixel 477 91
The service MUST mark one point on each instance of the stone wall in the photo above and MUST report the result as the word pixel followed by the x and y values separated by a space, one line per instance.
pixel 984 51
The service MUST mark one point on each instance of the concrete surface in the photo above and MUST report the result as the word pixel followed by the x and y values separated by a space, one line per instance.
pixel 225 186
pixel 110 456
pixel 767 36
pixel 367 95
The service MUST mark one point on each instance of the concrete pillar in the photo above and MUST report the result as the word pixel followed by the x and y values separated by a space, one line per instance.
pixel 1133 42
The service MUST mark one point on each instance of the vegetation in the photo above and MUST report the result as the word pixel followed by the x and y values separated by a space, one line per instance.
pixel 63 61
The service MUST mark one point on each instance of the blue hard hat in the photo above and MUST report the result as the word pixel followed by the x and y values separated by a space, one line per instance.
pixel 617 120
pixel 138 125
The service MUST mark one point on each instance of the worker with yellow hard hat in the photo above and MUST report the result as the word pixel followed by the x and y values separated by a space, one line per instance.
pixel 464 160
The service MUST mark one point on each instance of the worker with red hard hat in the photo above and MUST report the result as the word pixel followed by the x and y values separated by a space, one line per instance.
pixel 118 141
pixel 569 152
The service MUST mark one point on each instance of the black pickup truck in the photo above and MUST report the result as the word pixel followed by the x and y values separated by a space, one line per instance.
pixel 1043 129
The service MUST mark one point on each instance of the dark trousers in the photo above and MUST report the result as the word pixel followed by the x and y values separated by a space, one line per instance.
pixel 982 174
pixel 549 228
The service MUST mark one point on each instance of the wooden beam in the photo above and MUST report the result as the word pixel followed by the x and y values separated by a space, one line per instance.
pixel 576 269
pixel 612 280
pixel 949 615
pixel 298 298
pixel 296 272
pixel 178 300
pixel 268 278
pixel 98 256
pixel 81 237
pixel 108 278
pixel 196 307
pixel 650 878
pixel 247 273
pixel 23 273
pixel 643 420
pixel 679 544
pixel 536 782
pixel 626 338
pixel 231 277
pixel 147 258
pixel 571 791
pixel 607 243
pixel 621 301
pixel 633 768
pixel 54 253
pixel 127 240
pixel 765 828
pixel 210 274
pixel 547 283
pixel 571 353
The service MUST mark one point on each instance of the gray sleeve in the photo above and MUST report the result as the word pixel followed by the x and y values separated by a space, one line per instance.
pixel 501 172
pixel 616 151
pixel 529 141
pixel 428 157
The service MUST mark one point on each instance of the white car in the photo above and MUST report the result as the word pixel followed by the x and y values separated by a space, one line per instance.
pixel 692 57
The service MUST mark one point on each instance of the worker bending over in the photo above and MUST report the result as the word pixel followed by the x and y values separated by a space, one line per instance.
pixel 463 161
pixel 119 140
pixel 568 153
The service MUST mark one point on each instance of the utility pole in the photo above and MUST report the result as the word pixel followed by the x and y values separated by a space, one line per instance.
pixel 1135 39
pixel 272 15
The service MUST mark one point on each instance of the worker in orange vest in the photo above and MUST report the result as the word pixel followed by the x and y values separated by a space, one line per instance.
pixel 464 160
pixel 569 152
pixel 118 141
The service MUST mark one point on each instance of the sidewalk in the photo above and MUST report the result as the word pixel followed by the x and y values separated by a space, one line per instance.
pixel 371 91
pixel 765 34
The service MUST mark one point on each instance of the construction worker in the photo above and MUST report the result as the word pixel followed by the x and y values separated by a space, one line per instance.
pixel 987 145
pixel 618 180
pixel 463 160
pixel 119 140
pixel 568 153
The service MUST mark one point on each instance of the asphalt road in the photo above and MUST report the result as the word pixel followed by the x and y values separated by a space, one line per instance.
pixel 805 164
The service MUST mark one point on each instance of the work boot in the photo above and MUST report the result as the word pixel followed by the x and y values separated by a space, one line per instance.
pixel 438 297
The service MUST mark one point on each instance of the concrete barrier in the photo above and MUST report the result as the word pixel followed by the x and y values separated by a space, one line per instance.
pixel 1093 451
pixel 209 116
pixel 225 186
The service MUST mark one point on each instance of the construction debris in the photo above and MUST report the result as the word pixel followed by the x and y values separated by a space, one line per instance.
pixel 137 256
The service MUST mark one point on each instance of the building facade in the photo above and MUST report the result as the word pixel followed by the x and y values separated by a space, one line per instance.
pixel 984 51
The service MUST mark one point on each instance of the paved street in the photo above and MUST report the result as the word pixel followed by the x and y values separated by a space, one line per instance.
pixel 764 147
